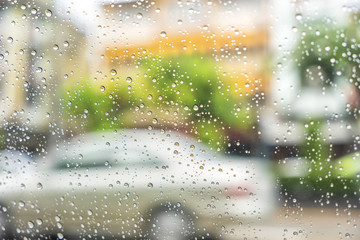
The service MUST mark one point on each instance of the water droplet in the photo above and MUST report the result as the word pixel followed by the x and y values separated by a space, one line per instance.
pixel 57 219
pixel 39 70
pixel 150 96
pixel 139 16
pixel 299 16
pixel 33 11
pixel 48 12
pixel 56 47
pixel 150 185
pixel 10 39
pixel 154 121
pixel 66 44
pixel 90 213
pixel 60 236
pixel 102 88
pixel 129 79
pixel 163 34
pixel 33 52
pixel 196 107
pixel 31 224
pixel 23 7
pixel 39 186
pixel 39 222
pixel 113 72
pixel 179 21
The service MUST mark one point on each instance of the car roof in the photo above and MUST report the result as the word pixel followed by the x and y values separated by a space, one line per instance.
pixel 164 144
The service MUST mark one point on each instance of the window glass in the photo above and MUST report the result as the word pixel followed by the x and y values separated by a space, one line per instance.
pixel 179 119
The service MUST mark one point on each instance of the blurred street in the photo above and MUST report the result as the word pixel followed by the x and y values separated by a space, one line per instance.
pixel 308 223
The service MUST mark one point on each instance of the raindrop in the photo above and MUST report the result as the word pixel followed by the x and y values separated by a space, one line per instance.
pixel 66 43
pixel 57 219
pixel 33 11
pixel 163 34
pixel 196 107
pixel 31 224
pixel 48 12
pixel 56 47
pixel 90 213
pixel 60 236
pixel 150 185
pixel 102 88
pixel 129 79
pixel 10 39
pixel 39 222
pixel 139 15
pixel 113 72
pixel 39 186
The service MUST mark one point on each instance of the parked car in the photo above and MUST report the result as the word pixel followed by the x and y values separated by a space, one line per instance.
pixel 136 183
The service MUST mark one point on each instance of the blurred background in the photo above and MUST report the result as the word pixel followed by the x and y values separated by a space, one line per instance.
pixel 272 79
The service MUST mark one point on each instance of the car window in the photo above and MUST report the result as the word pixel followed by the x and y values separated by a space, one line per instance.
pixel 97 160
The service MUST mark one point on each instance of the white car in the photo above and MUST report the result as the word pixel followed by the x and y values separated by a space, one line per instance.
pixel 136 183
